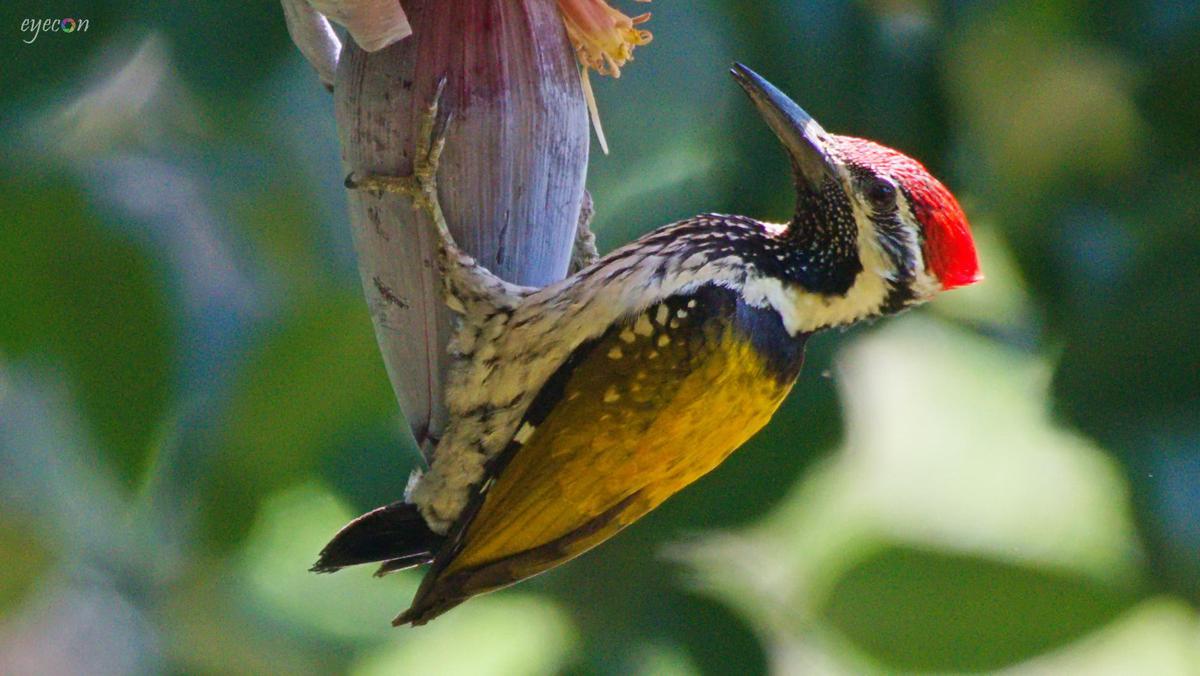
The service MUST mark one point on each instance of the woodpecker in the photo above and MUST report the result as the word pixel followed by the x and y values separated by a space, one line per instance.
pixel 577 408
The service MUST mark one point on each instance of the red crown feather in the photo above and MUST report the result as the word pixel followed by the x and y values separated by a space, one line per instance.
pixel 949 248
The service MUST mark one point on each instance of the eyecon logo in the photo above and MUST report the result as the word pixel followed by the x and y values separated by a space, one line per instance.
pixel 39 26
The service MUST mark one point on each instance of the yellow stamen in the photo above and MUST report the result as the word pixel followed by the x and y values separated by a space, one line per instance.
pixel 603 37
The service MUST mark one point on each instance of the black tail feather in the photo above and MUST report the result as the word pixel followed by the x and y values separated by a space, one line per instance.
pixel 395 534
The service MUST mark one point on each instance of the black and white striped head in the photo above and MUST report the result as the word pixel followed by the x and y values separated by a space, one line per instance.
pixel 873 231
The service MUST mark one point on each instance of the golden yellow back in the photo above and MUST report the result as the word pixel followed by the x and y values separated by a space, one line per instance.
pixel 649 408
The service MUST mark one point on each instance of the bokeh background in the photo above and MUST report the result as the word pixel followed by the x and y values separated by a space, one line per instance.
pixel 192 402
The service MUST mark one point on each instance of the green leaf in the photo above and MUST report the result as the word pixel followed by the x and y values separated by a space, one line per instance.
pixel 78 294
pixel 1160 637
pixel 25 559
pixel 311 383
pixel 914 609
pixel 501 634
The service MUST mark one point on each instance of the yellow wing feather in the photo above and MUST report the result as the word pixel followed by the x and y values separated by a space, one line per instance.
pixel 647 412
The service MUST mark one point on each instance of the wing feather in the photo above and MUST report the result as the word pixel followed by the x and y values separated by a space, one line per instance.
pixel 633 417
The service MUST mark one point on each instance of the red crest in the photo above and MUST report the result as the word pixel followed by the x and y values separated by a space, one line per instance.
pixel 949 248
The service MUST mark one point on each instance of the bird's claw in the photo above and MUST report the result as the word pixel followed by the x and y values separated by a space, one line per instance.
pixel 421 184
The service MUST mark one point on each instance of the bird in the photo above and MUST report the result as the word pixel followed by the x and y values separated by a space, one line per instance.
pixel 577 408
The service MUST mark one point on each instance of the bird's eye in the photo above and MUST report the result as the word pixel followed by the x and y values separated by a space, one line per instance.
pixel 881 194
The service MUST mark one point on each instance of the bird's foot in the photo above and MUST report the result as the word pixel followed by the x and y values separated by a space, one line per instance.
pixel 421 185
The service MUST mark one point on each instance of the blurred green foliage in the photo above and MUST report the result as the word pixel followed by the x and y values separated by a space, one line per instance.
pixel 191 400
pixel 95 303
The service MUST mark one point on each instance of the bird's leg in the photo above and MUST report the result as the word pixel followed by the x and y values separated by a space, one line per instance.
pixel 421 185
pixel 421 188
pixel 468 287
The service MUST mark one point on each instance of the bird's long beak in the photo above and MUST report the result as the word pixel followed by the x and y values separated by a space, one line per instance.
pixel 797 130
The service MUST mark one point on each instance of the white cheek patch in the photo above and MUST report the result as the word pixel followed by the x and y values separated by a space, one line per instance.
pixel 924 284
pixel 803 311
